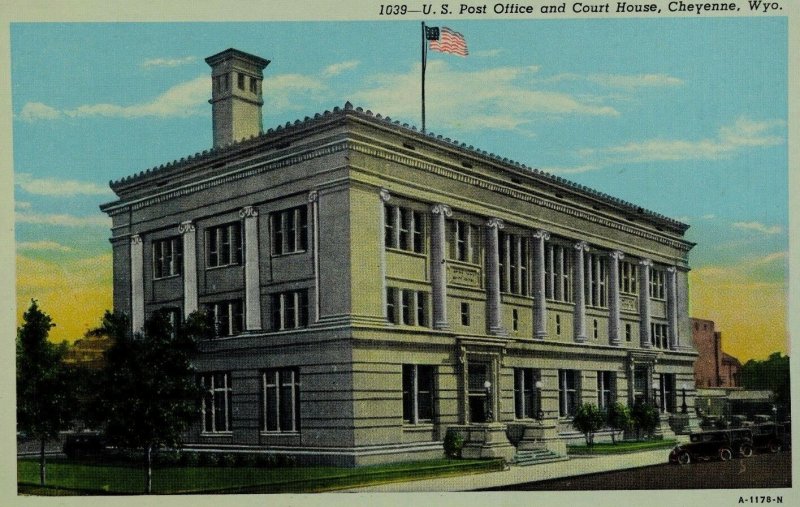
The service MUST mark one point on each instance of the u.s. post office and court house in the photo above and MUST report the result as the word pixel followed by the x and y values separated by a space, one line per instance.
pixel 374 286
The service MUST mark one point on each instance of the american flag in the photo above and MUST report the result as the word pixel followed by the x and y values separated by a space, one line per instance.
pixel 450 42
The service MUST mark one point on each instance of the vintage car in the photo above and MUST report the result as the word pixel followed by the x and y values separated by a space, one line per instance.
pixel 769 437
pixel 720 444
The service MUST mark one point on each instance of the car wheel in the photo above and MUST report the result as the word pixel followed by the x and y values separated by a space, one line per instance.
pixel 725 454
pixel 746 450
pixel 684 458
pixel 774 446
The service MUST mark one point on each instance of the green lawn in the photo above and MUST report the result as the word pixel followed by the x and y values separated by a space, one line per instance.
pixel 83 478
pixel 621 447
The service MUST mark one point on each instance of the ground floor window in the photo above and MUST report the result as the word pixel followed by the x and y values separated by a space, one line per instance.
pixel 216 406
pixel 568 389
pixel 479 397
pixel 640 376
pixel 606 387
pixel 525 395
pixel 417 393
pixel 281 391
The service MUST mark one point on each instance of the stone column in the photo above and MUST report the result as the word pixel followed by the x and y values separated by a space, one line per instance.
pixel 438 266
pixel 672 307
pixel 252 279
pixel 644 302
pixel 189 234
pixel 579 294
pixel 613 297
pixel 137 283
pixel 493 226
pixel 385 197
pixel 539 288
pixel 313 199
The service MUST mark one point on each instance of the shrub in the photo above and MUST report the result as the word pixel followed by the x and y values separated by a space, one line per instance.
pixel 453 443
pixel 167 457
pixel 226 460
pixel 208 459
pixel 645 419
pixel 618 418
pixel 588 419
pixel 190 459
pixel 265 460
pixel 245 460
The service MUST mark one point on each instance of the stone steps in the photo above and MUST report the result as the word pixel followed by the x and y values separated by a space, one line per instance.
pixel 536 457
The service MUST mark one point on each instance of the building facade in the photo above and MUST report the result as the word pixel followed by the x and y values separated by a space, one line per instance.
pixel 374 286
pixel 713 368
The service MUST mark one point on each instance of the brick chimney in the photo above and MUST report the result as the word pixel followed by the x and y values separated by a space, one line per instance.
pixel 236 101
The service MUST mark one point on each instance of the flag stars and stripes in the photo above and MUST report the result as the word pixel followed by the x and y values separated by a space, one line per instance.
pixel 450 42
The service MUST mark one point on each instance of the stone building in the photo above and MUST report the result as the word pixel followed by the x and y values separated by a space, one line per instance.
pixel 374 286
pixel 713 368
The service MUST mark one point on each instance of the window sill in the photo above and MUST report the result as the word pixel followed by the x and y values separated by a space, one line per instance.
pixel 288 254
pixel 155 279
pixel 216 434
pixel 421 255
pixel 223 266
pixel 280 433
pixel 422 427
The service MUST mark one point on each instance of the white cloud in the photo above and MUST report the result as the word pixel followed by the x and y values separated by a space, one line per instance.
pixel 759 227
pixel 571 170
pixel 33 111
pixel 770 258
pixel 744 133
pixel 168 62
pixel 337 68
pixel 290 91
pixel 499 97
pixel 56 187
pixel 43 245
pixel 634 80
pixel 62 220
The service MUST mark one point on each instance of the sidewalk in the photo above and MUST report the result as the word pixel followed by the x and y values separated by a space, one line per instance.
pixel 516 474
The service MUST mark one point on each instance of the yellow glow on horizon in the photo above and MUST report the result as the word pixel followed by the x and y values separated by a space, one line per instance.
pixel 750 314
pixel 74 293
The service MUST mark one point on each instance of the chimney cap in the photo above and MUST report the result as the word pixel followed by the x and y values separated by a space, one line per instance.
pixel 231 53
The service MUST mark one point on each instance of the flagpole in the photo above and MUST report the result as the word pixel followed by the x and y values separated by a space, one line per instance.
pixel 424 62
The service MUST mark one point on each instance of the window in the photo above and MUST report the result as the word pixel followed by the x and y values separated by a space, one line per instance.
pixel 558 324
pixel 281 400
pixel 403 229
pixel 594 331
pixel 227 317
pixel 464 314
pixel 606 384
pixel 226 82
pixel 167 257
pixel 216 406
pixel 525 399
pixel 407 307
pixel 463 242
pixel 224 245
pixel 240 80
pixel 658 336
pixel 558 273
pixel 253 85
pixel 667 397
pixel 173 316
pixel 568 385
pixel 657 283
pixel 628 332
pixel 289 310
pixel 513 251
pixel 515 319
pixel 289 230
pixel 627 278
pixel 595 276
pixel 417 393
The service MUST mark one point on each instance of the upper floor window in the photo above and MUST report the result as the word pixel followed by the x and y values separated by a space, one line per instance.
pixel 240 80
pixel 216 406
pixel 290 310
pixel 595 273
pixel 289 230
pixel 658 335
pixel 627 278
pixel 224 245
pixel 558 272
pixel 281 391
pixel 227 317
pixel 403 229
pixel 407 307
pixel 657 278
pixel 513 252
pixel 417 393
pixel 167 257
pixel 253 85
pixel 464 242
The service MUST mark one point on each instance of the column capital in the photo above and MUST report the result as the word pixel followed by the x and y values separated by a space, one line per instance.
pixel 136 239
pixel 672 269
pixel 646 263
pixel 616 254
pixel 313 196
pixel 495 223
pixel 441 209
pixel 385 195
pixel 541 234
pixel 248 211
pixel 582 246
pixel 187 226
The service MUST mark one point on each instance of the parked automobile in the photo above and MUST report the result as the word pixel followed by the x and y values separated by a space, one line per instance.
pixel 769 437
pixel 706 445
pixel 80 445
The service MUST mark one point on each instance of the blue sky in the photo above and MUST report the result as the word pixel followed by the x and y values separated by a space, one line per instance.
pixel 684 116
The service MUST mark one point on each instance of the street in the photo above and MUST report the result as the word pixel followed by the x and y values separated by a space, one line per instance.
pixel 759 471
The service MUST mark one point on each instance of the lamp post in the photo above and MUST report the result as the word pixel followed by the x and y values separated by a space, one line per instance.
pixel 539 411
pixel 684 408
pixel 775 414
pixel 488 386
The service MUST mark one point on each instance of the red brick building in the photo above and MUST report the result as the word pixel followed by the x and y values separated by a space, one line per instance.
pixel 713 367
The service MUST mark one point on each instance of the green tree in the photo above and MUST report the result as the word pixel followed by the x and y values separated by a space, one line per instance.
pixel 45 387
pixel 148 395
pixel 618 418
pixel 770 374
pixel 645 419
pixel 588 419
